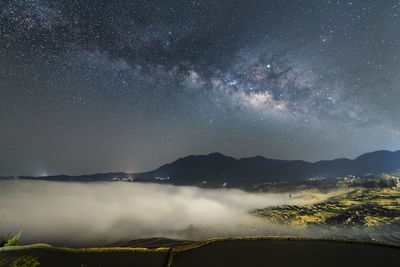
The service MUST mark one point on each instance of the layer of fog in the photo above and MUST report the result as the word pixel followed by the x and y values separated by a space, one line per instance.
pixel 101 213
pixel 96 214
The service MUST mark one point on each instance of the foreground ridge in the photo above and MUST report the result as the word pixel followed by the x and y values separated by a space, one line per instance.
pixel 181 255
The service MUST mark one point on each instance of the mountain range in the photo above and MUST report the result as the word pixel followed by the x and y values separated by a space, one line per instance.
pixel 216 169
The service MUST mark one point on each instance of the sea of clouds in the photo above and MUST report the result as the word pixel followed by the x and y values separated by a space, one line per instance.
pixel 84 214
pixel 101 214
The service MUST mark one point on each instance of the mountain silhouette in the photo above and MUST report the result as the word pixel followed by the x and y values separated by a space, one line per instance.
pixel 216 169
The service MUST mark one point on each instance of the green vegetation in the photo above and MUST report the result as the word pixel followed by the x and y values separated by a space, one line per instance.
pixel 25 261
pixel 13 241
pixel 22 261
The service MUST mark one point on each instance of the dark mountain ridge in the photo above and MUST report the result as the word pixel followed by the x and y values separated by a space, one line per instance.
pixel 215 169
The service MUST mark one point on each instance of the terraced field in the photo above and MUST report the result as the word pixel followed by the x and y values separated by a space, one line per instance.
pixel 367 207
pixel 373 214
pixel 253 251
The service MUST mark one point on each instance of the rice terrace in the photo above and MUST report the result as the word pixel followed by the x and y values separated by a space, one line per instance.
pixel 218 252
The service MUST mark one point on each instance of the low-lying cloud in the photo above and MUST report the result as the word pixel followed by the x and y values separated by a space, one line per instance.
pixel 83 214
pixel 99 214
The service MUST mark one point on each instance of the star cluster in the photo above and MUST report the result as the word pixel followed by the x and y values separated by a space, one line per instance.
pixel 89 86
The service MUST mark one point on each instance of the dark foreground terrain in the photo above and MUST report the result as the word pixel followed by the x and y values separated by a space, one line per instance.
pixel 218 252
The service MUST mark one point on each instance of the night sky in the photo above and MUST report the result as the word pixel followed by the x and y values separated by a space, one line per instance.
pixel 94 86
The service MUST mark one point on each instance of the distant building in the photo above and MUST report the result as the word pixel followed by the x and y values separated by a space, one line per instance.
pixel 160 178
pixel 124 179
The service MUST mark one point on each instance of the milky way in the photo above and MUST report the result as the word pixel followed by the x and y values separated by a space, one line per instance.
pixel 90 86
